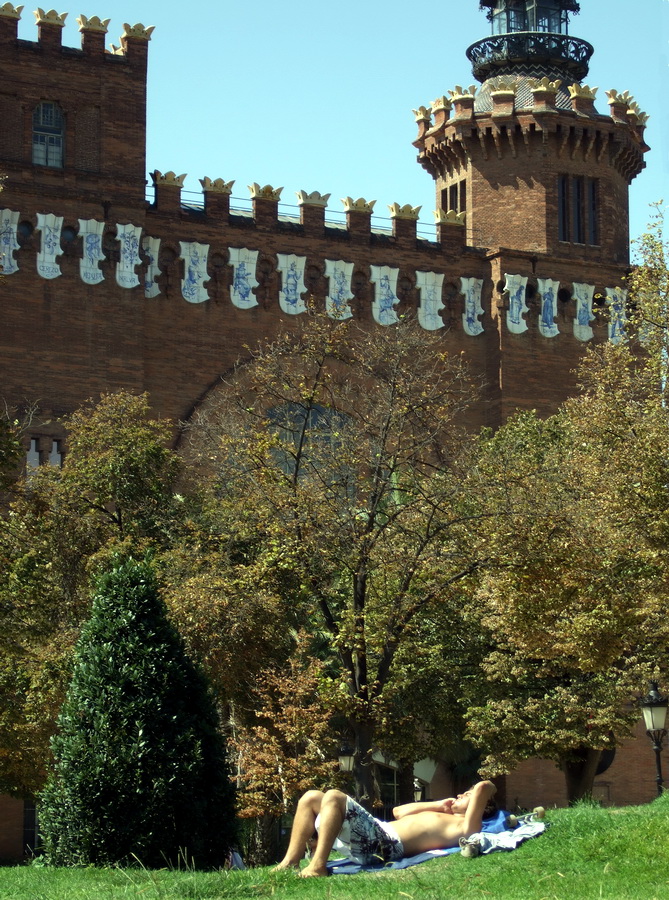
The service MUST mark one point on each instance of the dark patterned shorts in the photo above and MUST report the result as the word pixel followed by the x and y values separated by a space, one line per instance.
pixel 370 840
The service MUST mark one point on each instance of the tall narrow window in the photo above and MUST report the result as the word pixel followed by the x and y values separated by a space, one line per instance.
pixel 499 20
pixel 517 16
pixel 48 135
pixel 564 232
pixel 32 456
pixel 56 455
pixel 547 16
pixel 388 782
pixel 29 825
pixel 593 212
pixel 578 210
pixel 455 196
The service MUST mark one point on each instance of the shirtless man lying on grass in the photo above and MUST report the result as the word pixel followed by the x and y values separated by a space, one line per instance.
pixel 418 827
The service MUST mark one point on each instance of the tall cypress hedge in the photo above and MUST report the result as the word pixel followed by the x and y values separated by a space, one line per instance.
pixel 140 770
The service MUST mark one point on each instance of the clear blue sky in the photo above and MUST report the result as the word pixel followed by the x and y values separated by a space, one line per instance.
pixel 319 96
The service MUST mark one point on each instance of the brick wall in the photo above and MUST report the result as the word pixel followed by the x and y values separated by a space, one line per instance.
pixel 11 829
pixel 62 341
pixel 630 780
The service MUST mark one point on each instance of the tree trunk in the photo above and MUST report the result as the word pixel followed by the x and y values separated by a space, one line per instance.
pixel 579 772
pixel 366 786
pixel 260 844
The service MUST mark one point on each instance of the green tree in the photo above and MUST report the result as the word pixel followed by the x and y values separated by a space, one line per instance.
pixel 576 603
pixel 341 449
pixel 120 462
pixel 115 490
pixel 238 617
pixel 284 743
pixel 140 764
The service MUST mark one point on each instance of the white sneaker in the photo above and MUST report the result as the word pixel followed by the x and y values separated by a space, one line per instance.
pixel 470 847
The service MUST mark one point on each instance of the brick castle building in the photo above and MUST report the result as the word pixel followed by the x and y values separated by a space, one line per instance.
pixel 104 290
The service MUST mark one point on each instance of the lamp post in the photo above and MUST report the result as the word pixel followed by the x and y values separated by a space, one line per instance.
pixel 346 757
pixel 654 708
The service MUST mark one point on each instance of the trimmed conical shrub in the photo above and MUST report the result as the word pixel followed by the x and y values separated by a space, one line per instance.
pixel 140 770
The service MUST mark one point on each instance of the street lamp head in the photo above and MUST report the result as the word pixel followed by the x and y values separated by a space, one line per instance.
pixel 346 757
pixel 654 708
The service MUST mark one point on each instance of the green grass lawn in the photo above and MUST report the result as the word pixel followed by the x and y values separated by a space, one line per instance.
pixel 587 853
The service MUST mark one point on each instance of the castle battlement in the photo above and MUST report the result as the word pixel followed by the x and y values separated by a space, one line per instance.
pixel 313 218
pixel 50 26
pixel 459 124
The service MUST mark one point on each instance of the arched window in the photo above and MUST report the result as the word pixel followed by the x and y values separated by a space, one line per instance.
pixel 48 135
pixel 308 437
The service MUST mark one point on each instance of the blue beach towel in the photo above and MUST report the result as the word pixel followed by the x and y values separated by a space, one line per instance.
pixel 493 836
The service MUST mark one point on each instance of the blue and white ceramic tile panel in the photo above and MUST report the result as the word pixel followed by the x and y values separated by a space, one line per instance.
pixel 516 285
pixel 9 221
pixel 548 291
pixel 50 227
pixel 339 274
pixel 429 285
pixel 129 236
pixel 615 300
pixel 243 262
pixel 194 256
pixel 151 247
pixel 91 231
pixel 583 294
pixel 471 289
pixel 291 268
pixel 384 279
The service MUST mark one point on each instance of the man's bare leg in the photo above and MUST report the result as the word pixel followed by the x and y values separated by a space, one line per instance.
pixel 333 810
pixel 308 807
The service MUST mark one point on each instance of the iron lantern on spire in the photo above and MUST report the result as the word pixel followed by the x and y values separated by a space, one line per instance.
pixel 530 38
pixel 508 16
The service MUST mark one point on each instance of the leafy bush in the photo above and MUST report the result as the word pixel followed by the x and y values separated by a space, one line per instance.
pixel 140 764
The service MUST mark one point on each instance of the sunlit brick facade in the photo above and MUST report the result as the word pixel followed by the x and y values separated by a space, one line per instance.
pixel 106 290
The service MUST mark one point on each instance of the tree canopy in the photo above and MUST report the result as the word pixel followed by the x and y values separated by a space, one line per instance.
pixel 343 452
pixel 575 601
pixel 116 490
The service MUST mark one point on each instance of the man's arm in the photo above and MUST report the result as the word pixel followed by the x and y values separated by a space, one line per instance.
pixel 481 793
pixel 410 809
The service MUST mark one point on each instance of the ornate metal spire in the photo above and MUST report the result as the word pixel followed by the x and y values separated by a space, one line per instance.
pixel 530 37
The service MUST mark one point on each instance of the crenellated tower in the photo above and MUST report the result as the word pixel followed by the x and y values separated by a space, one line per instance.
pixel 527 156
pixel 73 120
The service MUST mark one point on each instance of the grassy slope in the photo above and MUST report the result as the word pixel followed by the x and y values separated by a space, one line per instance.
pixel 586 854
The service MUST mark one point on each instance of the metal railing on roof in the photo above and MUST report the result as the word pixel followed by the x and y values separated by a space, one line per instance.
pixel 290 212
